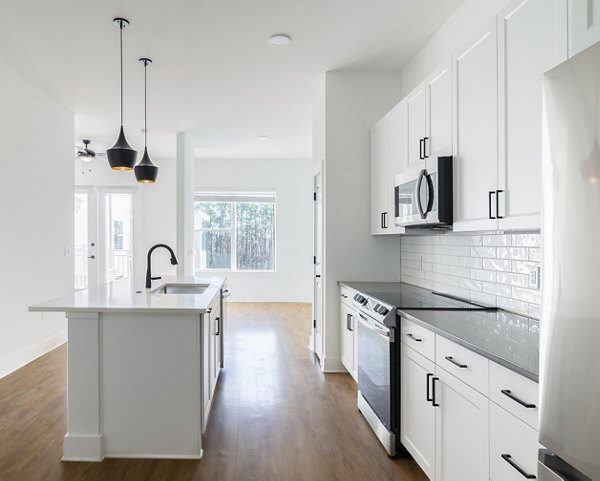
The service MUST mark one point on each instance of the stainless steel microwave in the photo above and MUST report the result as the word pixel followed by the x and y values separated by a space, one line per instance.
pixel 423 195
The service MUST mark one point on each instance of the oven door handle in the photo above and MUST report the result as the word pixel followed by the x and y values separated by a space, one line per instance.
pixel 387 335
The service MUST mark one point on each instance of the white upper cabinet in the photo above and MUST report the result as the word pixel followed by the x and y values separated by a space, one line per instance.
pixel 398 161
pixel 417 130
pixel 379 176
pixel 584 25
pixel 532 38
pixel 438 89
pixel 475 70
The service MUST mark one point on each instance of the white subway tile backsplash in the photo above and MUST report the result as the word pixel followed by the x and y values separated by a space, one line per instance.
pixel 497 264
pixel 497 240
pixel 526 240
pixel 483 252
pixel 516 253
pixel 483 275
pixel 513 279
pixel 491 268
pixel 497 289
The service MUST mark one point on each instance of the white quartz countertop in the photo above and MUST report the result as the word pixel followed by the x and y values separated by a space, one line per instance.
pixel 130 295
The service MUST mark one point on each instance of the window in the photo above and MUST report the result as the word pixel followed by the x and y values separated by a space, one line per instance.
pixel 235 231
pixel 118 212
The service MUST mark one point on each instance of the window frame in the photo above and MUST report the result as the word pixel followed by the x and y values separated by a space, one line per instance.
pixel 229 197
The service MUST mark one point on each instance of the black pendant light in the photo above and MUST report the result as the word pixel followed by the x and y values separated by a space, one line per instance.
pixel 146 172
pixel 121 156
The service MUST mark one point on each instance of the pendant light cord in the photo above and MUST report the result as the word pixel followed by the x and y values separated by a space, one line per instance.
pixel 145 104
pixel 121 48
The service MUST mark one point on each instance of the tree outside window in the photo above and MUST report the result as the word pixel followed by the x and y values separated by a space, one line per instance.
pixel 235 231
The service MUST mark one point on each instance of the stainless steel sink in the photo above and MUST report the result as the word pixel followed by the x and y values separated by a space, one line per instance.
pixel 181 289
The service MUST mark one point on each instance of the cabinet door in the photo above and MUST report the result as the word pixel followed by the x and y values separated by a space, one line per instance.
pixel 475 127
pixel 439 113
pixel 417 414
pixel 513 447
pixel 216 351
pixel 398 157
pixel 379 173
pixel 532 38
pixel 415 103
pixel 348 338
pixel 584 25
pixel 206 393
pixel 462 431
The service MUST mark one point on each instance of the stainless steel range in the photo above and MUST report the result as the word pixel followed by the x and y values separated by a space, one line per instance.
pixel 379 354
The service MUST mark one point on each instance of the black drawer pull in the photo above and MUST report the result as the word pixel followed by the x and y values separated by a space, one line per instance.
pixel 509 394
pixel 416 339
pixel 525 474
pixel 457 364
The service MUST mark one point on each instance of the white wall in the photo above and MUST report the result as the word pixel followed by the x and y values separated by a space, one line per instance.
pixel 36 214
pixel 292 181
pixel 460 26
pixel 354 101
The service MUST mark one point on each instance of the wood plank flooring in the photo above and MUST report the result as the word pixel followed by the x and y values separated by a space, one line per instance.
pixel 275 416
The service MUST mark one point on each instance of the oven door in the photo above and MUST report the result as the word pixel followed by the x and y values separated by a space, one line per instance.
pixel 374 363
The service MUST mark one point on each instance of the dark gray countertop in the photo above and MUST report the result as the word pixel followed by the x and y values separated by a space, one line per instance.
pixel 501 336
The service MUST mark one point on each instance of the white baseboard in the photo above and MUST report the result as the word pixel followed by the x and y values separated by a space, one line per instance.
pixel 156 456
pixel 24 357
pixel 82 448
pixel 332 364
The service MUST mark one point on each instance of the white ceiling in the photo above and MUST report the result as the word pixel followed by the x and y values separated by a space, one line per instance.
pixel 214 73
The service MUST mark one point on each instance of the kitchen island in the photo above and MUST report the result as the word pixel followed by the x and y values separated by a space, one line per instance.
pixel 142 366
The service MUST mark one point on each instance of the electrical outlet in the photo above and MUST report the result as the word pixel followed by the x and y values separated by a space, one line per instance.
pixel 534 278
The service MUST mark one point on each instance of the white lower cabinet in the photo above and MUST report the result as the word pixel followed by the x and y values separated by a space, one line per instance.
pixel 462 430
pixel 348 338
pixel 513 447
pixel 417 414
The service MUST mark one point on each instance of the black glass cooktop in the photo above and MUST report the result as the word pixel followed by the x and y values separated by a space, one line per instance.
pixel 412 297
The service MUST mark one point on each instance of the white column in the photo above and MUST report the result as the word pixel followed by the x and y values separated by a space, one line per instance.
pixel 83 441
pixel 185 204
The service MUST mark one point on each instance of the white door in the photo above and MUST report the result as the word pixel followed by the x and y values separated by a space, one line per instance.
pixel 318 285
pixel 104 235
pixel 584 25
pixel 462 430
pixel 417 416
pixel 415 102
pixel 475 127
pixel 532 38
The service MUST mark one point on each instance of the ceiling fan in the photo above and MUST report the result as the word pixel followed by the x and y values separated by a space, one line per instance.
pixel 85 154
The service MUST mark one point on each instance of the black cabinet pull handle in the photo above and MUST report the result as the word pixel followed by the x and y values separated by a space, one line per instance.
pixel 384 219
pixel 508 393
pixel 381 221
pixel 344 296
pixel 421 154
pixel 349 322
pixel 433 401
pixel 425 139
pixel 218 322
pixel 525 474
pixel 491 193
pixel 457 364
pixel 498 216
pixel 429 397
pixel 414 338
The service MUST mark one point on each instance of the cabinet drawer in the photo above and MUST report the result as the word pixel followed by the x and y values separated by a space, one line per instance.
pixel 513 447
pixel 463 363
pixel 346 295
pixel 418 337
pixel 515 393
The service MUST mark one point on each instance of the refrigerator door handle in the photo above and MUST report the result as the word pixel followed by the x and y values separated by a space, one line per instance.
pixel 522 472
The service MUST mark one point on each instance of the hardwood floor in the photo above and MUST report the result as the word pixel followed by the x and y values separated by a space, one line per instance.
pixel 275 417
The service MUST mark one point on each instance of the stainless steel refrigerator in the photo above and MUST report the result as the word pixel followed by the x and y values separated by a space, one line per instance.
pixel 570 324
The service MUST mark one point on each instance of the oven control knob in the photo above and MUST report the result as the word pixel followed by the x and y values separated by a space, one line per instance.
pixel 376 307
pixel 360 299
pixel 382 310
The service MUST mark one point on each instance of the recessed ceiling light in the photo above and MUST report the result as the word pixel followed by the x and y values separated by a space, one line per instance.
pixel 263 138
pixel 280 40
